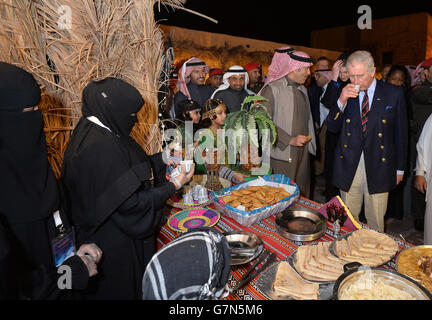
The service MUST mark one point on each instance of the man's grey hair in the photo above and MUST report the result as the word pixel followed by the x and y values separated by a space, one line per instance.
pixel 363 57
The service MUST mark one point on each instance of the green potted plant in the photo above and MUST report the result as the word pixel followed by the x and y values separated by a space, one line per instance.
pixel 251 126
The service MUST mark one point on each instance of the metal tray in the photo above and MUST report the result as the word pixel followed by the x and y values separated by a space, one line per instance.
pixel 390 277
pixel 266 279
pixel 245 246
pixel 301 224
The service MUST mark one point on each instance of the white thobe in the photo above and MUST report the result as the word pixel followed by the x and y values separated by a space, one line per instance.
pixel 424 168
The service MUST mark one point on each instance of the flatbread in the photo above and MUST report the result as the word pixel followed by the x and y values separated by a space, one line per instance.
pixel 313 263
pixel 288 282
pixel 368 247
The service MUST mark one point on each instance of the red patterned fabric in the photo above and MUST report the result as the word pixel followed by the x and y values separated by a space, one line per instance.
pixel 216 71
pixel 184 73
pixel 273 242
pixel 282 64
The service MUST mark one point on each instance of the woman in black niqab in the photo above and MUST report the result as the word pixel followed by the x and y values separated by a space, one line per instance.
pixel 28 189
pixel 117 193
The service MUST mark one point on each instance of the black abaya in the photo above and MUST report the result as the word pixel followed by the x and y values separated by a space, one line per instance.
pixel 107 178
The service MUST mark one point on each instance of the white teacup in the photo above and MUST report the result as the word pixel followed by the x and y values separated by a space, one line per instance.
pixel 203 198
pixel 188 198
pixel 188 164
pixel 357 87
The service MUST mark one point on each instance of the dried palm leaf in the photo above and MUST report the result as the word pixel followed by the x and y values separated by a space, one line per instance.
pixel 87 40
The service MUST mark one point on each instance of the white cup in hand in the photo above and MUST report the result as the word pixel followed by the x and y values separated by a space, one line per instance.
pixel 187 164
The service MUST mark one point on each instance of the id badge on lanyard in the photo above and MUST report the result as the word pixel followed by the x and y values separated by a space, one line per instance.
pixel 63 246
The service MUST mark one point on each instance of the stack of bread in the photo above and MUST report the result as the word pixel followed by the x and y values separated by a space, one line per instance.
pixel 368 247
pixel 289 283
pixel 315 262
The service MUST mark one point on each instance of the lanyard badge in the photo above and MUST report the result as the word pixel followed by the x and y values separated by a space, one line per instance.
pixel 63 246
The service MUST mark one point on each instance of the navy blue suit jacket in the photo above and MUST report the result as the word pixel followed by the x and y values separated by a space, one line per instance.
pixel 384 145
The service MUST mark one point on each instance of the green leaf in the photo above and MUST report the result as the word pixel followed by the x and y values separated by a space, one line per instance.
pixel 261 126
pixel 259 108
pixel 250 99
pixel 239 137
pixel 252 132
pixel 244 120
pixel 232 119
pixel 268 124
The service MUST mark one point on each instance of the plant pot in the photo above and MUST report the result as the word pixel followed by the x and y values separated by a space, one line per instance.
pixel 253 160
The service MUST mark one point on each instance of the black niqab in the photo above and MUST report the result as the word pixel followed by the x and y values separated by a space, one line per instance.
pixel 28 188
pixel 18 88
pixel 98 190
pixel 112 101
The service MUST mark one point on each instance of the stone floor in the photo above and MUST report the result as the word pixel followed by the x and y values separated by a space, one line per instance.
pixel 400 228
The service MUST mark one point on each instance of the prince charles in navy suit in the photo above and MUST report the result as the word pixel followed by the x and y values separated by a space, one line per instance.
pixel 371 155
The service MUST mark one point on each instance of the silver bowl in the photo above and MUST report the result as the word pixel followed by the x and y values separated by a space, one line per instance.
pixel 392 278
pixel 245 246
pixel 301 224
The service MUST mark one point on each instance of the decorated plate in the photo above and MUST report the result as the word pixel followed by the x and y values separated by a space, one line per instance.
pixel 193 218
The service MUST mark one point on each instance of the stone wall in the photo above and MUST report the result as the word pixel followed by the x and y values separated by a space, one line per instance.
pixel 406 39
pixel 223 51
pixel 429 38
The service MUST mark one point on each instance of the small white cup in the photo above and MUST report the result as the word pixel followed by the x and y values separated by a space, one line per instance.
pixel 203 199
pixel 357 87
pixel 188 164
pixel 202 192
pixel 188 199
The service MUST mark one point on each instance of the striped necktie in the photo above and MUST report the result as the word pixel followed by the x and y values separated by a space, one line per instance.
pixel 364 111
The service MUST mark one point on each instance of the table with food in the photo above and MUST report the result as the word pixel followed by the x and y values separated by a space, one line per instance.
pixel 285 246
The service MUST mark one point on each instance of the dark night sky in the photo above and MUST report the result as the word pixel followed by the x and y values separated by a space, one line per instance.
pixel 286 21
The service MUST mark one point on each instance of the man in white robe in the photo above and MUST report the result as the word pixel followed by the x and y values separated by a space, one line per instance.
pixel 423 179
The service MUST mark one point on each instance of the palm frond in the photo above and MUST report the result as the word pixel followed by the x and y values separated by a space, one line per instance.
pixel 116 38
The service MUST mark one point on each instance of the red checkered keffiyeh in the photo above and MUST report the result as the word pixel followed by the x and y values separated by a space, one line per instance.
pixel 286 60
pixel 185 71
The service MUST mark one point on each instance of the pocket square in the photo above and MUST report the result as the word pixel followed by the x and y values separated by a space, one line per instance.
pixel 389 107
